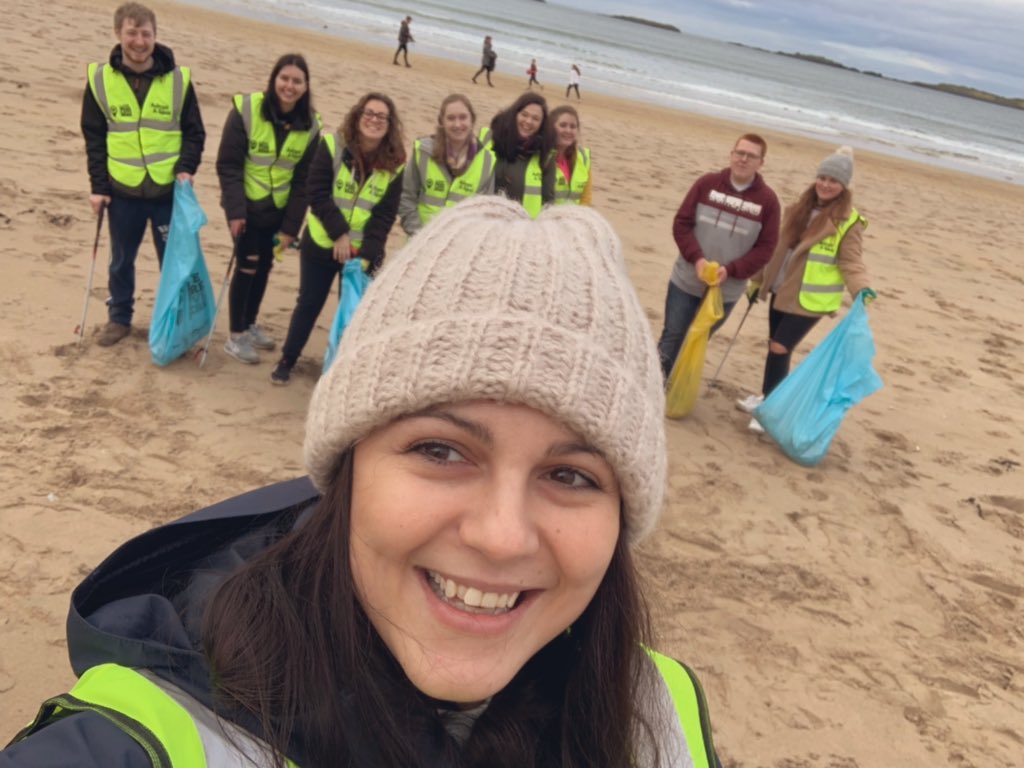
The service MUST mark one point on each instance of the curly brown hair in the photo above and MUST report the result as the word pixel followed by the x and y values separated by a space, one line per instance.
pixel 390 154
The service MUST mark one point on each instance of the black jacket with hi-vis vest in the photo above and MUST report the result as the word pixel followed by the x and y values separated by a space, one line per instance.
pixel 136 621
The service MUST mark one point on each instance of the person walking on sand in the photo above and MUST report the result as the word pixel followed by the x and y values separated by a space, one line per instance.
pixel 404 38
pixel 532 72
pixel 445 168
pixel 268 143
pixel 730 217
pixel 487 60
pixel 456 582
pixel 143 130
pixel 354 184
pixel 574 82
pixel 817 256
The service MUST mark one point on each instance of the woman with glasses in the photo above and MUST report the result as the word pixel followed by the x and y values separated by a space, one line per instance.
pixel 447 167
pixel 268 142
pixel 522 146
pixel 355 181
pixel 572 162
pixel 817 256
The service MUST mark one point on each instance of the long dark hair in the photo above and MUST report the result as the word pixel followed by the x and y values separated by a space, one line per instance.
pixel 391 152
pixel 797 224
pixel 290 647
pixel 304 107
pixel 440 153
pixel 505 135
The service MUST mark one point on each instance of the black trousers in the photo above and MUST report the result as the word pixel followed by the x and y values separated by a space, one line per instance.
pixel 317 271
pixel 787 330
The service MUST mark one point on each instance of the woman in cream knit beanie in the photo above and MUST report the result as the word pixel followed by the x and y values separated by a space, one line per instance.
pixel 488 443
pixel 492 305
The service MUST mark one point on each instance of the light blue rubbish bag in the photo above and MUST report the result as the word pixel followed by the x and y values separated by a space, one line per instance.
pixel 185 307
pixel 804 411
pixel 354 282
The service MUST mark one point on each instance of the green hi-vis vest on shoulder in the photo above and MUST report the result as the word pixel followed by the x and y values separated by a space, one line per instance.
pixel 440 190
pixel 173 728
pixel 142 139
pixel 269 172
pixel 355 203
pixel 533 183
pixel 567 191
pixel 822 288
pixel 176 731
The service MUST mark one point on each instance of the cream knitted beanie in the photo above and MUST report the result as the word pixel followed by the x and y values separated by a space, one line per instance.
pixel 838 165
pixel 487 303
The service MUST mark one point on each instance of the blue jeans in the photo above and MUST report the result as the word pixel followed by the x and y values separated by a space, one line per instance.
pixel 128 218
pixel 680 309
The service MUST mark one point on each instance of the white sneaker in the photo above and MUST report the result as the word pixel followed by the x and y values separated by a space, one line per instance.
pixel 240 348
pixel 755 427
pixel 259 339
pixel 749 403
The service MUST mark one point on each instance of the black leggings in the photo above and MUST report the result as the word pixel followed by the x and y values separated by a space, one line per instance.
pixel 317 273
pixel 572 86
pixel 255 255
pixel 787 330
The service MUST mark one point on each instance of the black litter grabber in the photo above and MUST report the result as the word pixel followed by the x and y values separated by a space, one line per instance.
pixel 220 299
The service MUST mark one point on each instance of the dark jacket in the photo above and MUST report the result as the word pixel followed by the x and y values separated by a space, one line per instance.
pixel 142 608
pixel 234 147
pixel 320 185
pixel 94 128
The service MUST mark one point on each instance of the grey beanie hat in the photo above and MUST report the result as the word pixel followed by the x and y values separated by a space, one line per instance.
pixel 487 303
pixel 838 165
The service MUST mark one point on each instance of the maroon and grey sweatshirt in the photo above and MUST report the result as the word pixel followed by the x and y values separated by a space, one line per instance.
pixel 737 229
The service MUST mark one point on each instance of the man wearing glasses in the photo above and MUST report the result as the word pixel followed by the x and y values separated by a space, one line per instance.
pixel 730 217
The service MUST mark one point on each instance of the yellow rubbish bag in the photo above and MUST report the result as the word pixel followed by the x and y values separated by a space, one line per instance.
pixel 684 380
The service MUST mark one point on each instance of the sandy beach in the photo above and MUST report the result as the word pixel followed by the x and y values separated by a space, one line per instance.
pixel 865 612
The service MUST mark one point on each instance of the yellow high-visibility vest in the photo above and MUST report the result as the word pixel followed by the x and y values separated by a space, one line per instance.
pixel 355 203
pixel 822 288
pixel 268 173
pixel 141 140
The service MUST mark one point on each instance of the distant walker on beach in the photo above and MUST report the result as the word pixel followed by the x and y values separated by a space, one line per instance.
pixel 404 38
pixel 487 60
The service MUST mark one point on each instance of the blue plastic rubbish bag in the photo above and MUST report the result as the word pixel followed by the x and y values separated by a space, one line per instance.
pixel 804 412
pixel 185 307
pixel 354 282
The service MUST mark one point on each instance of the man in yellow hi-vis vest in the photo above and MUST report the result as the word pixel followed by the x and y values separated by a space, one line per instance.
pixel 143 130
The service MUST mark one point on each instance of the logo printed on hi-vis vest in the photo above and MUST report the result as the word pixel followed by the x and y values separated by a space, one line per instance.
pixel 736 203
pixel 124 110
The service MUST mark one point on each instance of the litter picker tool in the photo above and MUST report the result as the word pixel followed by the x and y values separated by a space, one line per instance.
pixel 220 300
pixel 80 329
pixel 718 370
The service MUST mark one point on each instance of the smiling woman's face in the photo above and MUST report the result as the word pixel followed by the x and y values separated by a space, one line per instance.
pixel 528 120
pixel 480 532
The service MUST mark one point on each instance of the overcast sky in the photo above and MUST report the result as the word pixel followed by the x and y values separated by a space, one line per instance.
pixel 973 42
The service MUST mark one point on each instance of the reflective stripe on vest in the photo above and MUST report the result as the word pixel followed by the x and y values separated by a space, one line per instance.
pixel 570 191
pixel 822 288
pixel 533 184
pixel 268 172
pixel 691 708
pixel 141 140
pixel 176 731
pixel 355 203
pixel 439 189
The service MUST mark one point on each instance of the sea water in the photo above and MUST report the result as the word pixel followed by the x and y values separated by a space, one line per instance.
pixel 720 79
